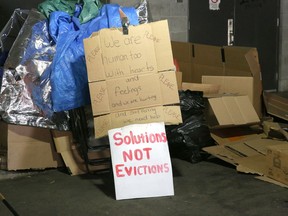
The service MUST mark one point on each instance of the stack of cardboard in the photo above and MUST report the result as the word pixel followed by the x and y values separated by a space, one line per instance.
pixel 230 80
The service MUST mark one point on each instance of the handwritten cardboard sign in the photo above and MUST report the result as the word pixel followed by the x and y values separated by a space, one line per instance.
pixel 133 92
pixel 145 50
pixel 168 114
pixel 141 161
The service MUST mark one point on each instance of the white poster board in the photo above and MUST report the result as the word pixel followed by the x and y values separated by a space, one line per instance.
pixel 141 161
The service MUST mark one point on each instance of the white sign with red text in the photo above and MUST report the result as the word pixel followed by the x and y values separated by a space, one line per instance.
pixel 141 161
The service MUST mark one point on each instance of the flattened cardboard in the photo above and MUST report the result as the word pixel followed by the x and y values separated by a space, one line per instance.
pixel 276 104
pixel 231 111
pixel 234 134
pixel 167 114
pixel 242 148
pixel 223 153
pixel 261 145
pixel 28 147
pixel 252 164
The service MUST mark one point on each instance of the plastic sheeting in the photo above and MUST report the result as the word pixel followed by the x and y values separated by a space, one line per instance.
pixel 30 55
pixel 68 74
pixel 8 35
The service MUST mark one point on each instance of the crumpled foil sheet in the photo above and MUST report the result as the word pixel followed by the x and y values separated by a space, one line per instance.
pixel 142 12
pixel 30 55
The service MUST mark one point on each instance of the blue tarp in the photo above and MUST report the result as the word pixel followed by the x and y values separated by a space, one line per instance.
pixel 68 74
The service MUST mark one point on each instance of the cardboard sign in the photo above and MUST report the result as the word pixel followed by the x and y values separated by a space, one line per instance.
pixel 168 114
pixel 145 50
pixel 141 161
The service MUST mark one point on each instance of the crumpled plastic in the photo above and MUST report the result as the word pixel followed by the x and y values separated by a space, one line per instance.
pixel 8 35
pixel 68 74
pixel 85 10
pixel 187 139
pixel 30 55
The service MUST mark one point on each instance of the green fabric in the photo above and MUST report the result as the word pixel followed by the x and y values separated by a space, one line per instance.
pixel 89 11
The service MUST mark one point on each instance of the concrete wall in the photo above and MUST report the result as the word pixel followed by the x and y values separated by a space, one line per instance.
pixel 283 47
pixel 175 11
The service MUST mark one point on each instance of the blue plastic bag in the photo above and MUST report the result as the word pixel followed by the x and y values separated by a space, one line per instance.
pixel 69 81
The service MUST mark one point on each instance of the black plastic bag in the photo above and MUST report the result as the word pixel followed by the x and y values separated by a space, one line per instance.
pixel 187 139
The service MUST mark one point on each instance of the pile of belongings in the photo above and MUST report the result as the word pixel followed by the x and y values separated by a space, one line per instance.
pixel 42 58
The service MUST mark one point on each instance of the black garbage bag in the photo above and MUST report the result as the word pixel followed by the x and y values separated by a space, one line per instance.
pixel 187 139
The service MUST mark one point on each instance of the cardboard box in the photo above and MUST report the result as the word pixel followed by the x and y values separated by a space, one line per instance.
pixel 240 64
pixel 132 74
pixel 72 158
pixel 277 161
pixel 276 104
pixel 227 111
pixel 28 147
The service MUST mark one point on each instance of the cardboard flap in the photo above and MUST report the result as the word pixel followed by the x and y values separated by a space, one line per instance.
pixel 231 84
pixel 235 61
pixel 162 42
pixel 233 110
pixel 252 59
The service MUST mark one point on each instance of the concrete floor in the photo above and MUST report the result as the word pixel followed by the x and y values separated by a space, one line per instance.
pixel 206 188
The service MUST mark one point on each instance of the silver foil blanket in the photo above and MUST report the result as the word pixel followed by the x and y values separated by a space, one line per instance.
pixel 20 97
